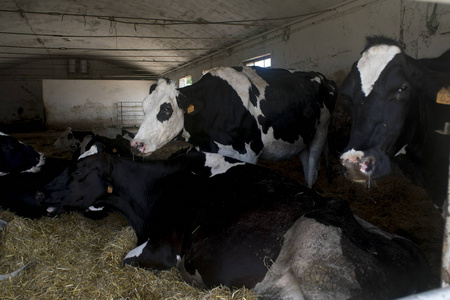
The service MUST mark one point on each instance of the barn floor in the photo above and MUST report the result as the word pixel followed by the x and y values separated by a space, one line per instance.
pixel 75 257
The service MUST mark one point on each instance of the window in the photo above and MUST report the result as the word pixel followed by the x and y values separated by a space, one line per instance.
pixel 185 81
pixel 261 61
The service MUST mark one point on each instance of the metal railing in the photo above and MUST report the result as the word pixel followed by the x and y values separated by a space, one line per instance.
pixel 129 114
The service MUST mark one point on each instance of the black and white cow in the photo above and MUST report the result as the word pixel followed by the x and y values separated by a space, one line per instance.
pixel 24 171
pixel 244 113
pixel 17 157
pixel 400 106
pixel 73 139
pixel 222 221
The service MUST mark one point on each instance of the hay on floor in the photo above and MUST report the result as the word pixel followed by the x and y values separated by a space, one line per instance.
pixel 75 257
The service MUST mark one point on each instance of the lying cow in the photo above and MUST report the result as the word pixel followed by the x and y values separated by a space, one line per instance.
pixel 24 171
pixel 17 157
pixel 244 113
pixel 222 221
pixel 399 107
pixel 72 139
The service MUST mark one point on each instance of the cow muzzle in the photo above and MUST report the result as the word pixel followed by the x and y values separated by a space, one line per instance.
pixel 53 209
pixel 357 166
pixel 139 147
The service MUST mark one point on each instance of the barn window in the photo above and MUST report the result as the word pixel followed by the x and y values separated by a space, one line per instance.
pixel 185 81
pixel 264 61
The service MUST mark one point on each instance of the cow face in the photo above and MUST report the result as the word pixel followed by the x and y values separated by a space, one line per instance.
pixel 163 119
pixel 17 157
pixel 80 186
pixel 381 93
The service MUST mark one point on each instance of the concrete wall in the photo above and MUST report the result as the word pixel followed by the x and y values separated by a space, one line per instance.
pixel 85 104
pixel 21 105
pixel 331 42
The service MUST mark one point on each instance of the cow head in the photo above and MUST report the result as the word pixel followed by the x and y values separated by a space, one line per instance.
pixel 164 110
pixel 384 107
pixel 67 141
pixel 80 186
pixel 17 157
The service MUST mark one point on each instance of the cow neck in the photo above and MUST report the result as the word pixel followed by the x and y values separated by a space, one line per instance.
pixel 135 189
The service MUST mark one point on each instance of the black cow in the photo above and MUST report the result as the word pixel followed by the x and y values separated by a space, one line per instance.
pixel 244 113
pixel 222 221
pixel 400 106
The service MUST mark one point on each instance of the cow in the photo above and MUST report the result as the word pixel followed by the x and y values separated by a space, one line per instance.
pixel 221 221
pixel 244 113
pixel 72 139
pixel 399 108
pixel 24 171
pixel 17 157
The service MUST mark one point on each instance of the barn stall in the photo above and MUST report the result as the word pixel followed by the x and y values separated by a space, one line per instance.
pixel 89 66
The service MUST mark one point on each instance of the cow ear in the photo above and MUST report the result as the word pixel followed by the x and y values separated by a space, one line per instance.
pixel 97 148
pixel 191 106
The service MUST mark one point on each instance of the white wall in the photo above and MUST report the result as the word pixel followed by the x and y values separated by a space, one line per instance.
pixel 85 104
pixel 331 42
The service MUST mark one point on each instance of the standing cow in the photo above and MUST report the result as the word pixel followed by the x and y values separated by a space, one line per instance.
pixel 400 106
pixel 244 113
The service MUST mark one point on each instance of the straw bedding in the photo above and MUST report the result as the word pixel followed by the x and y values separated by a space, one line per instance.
pixel 73 257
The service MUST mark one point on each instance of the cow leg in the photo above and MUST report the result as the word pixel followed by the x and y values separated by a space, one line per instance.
pixel 304 157
pixel 316 147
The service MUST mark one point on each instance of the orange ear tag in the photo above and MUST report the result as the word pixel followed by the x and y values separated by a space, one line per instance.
pixel 190 109
pixel 109 189
pixel 443 97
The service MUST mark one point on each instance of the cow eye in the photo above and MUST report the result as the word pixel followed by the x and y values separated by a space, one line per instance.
pixel 402 88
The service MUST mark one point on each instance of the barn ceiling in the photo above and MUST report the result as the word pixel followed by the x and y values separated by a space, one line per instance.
pixel 147 38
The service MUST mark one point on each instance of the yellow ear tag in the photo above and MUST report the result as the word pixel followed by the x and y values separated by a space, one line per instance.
pixel 190 109
pixel 109 189
pixel 443 97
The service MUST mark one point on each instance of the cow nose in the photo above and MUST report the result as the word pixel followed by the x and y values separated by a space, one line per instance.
pixel 357 166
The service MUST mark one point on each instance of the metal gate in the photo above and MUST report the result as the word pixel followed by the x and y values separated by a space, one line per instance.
pixel 129 114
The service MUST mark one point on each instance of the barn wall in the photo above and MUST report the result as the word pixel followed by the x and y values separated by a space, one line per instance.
pixel 85 104
pixel 331 42
pixel 21 105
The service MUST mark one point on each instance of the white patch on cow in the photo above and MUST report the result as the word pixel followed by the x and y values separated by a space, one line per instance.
pixel 153 133
pixel 136 252
pixel 4 134
pixel 241 83
pixel 51 209
pixel 93 150
pixel 311 251
pixel 227 150
pixel 218 164
pixel 93 208
pixel 3 173
pixel 401 151
pixel 37 168
pixel 352 155
pixel 277 149
pixel 372 63
pixel 316 79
